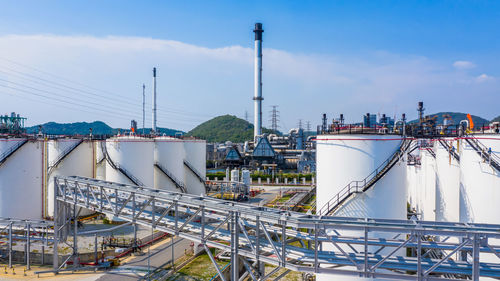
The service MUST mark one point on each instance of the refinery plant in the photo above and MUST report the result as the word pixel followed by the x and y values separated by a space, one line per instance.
pixel 388 199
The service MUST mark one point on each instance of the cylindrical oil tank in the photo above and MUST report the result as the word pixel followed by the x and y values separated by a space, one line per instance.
pixel 447 181
pixel 169 163
pixel 196 157
pixel 67 157
pixel 427 191
pixel 130 160
pixel 480 182
pixel 235 175
pixel 480 187
pixel 344 158
pixel 22 178
pixel 414 180
pixel 99 159
pixel 245 177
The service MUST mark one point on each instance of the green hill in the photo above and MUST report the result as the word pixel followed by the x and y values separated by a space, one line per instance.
pixel 496 119
pixel 457 117
pixel 83 128
pixel 225 128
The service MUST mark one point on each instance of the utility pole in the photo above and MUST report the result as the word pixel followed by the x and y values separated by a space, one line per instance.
pixel 274 118
pixel 143 107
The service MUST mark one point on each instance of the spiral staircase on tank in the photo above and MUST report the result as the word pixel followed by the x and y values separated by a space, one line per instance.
pixel 122 170
pixel 196 173
pixel 63 155
pixel 450 149
pixel 482 150
pixel 9 152
pixel 359 186
pixel 179 184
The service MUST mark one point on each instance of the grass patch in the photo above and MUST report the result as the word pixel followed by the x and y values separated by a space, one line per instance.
pixel 201 268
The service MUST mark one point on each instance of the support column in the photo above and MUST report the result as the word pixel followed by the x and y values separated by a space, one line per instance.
pixel 10 245
pixel 234 246
pixel 28 246
pixel 55 257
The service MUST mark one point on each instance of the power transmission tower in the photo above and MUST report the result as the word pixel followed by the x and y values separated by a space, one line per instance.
pixel 308 126
pixel 300 124
pixel 274 118
pixel 246 115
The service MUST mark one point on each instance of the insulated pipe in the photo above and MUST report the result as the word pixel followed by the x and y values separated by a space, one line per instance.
pixel 153 127
pixel 257 124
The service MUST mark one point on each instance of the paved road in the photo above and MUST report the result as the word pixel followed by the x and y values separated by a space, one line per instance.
pixel 138 265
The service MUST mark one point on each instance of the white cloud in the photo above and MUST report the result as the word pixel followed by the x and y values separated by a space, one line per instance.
pixel 463 64
pixel 214 81
pixel 483 78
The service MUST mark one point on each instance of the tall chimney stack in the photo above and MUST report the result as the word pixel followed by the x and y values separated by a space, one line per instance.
pixel 258 81
pixel 153 127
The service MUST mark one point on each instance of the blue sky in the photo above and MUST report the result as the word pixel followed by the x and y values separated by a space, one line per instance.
pixel 348 57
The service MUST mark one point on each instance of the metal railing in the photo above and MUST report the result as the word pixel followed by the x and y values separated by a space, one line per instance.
pixel 358 186
pixel 483 151
pixel 365 247
pixel 63 155
pixel 122 170
pixel 195 172
pixel 179 184
pixel 450 149
pixel 11 151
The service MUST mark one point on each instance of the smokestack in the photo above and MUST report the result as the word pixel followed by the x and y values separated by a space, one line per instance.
pixel 153 127
pixel 258 81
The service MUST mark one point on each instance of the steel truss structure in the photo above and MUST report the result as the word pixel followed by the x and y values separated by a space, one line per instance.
pixel 27 232
pixel 295 241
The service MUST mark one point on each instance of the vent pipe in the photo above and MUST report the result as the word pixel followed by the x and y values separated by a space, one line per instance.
pixel 258 81
pixel 153 127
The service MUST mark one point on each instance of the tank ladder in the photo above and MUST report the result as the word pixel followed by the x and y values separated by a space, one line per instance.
pixel 450 149
pixel 63 155
pixel 482 150
pixel 359 186
pixel 9 152
pixel 196 173
pixel 122 170
pixel 171 177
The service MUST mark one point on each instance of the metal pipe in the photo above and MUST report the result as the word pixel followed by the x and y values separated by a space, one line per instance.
pixel 258 81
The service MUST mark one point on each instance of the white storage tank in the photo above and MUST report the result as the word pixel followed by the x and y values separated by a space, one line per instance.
pixel 480 182
pixel 195 165
pixel 67 157
pixel 169 164
pixel 447 181
pixel 129 160
pixel 245 177
pixel 344 158
pixel 235 175
pixel 22 178
pixel 427 191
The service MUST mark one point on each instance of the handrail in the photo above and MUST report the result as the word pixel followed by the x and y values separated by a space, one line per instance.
pixel 449 149
pixel 116 166
pixel 482 150
pixel 63 155
pixel 11 151
pixel 171 177
pixel 193 169
pixel 357 186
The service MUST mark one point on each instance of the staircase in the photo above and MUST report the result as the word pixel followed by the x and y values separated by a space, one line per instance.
pixel 450 149
pixel 63 155
pixel 196 173
pixel 122 170
pixel 10 151
pixel 482 150
pixel 171 177
pixel 363 185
